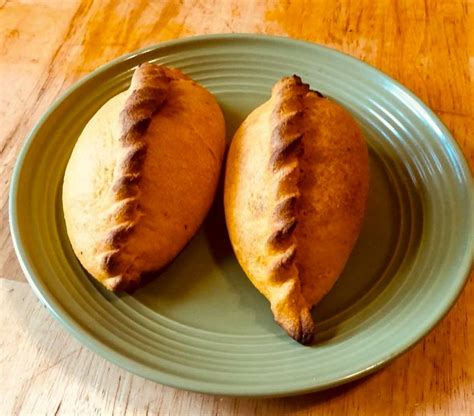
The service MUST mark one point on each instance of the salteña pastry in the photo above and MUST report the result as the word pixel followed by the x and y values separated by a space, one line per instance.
pixel 295 193
pixel 142 176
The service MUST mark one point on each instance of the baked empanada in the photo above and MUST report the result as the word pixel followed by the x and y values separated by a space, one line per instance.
pixel 142 176
pixel 295 193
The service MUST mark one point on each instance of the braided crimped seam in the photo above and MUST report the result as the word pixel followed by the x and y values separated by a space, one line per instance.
pixel 288 128
pixel 150 85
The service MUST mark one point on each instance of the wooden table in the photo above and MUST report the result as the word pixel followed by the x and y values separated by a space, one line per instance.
pixel 46 45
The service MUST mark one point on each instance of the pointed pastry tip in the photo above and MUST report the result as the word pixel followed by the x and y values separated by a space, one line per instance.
pixel 301 328
pixel 305 330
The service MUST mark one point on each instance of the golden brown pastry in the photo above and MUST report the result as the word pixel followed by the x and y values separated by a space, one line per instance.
pixel 142 176
pixel 295 193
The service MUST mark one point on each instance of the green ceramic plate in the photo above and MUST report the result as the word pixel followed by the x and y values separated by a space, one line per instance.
pixel 201 325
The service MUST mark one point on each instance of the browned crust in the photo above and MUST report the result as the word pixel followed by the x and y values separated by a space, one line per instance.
pixel 150 86
pixel 288 129
pixel 303 332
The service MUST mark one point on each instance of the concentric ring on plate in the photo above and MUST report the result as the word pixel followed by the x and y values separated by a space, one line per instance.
pixel 223 342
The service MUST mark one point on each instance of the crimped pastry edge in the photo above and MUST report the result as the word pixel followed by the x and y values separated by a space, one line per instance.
pixel 149 89
pixel 288 129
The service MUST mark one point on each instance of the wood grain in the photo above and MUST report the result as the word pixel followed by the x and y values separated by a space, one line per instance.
pixel 47 45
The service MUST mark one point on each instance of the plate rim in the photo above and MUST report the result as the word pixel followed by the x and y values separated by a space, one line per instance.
pixel 105 351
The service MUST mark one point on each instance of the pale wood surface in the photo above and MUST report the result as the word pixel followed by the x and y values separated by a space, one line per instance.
pixel 46 45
